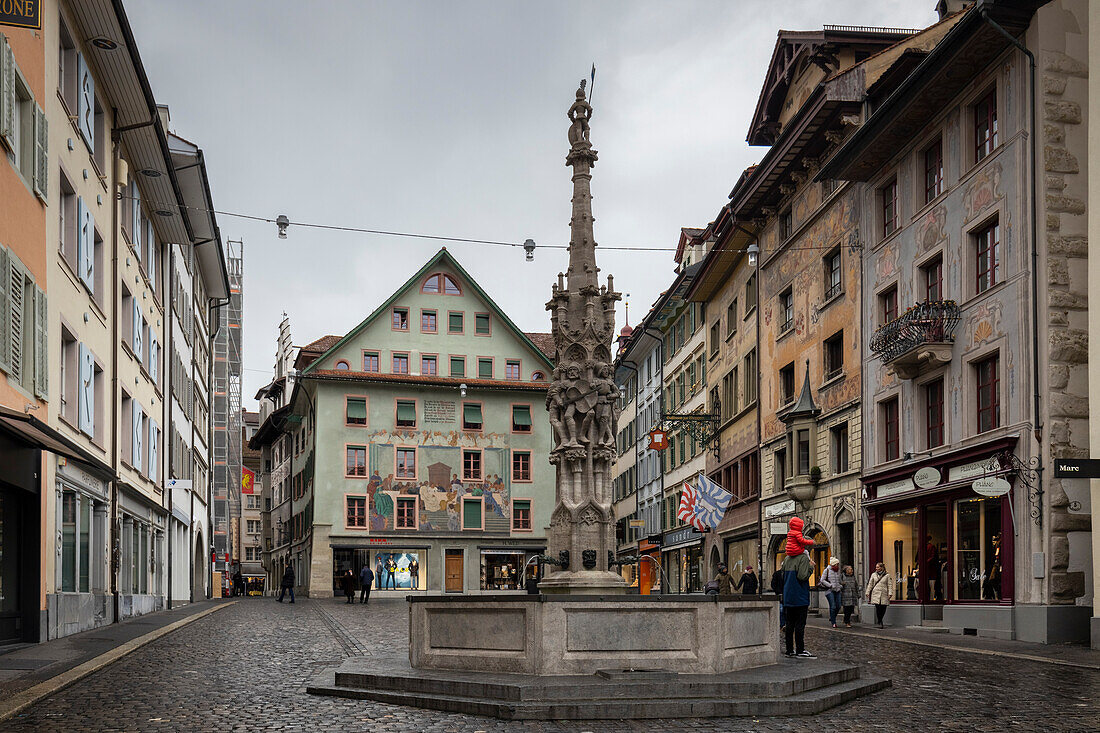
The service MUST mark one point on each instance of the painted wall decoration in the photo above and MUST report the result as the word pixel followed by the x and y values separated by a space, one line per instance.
pixel 931 229
pixel 982 192
pixel 984 323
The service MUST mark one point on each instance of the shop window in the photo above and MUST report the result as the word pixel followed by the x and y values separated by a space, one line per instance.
pixel 370 361
pixel 933 413
pixel 400 364
pixel 471 465
pixel 900 552
pixel 471 416
pixel 481 324
pixel 356 511
pixel 511 369
pixel 400 319
pixel 458 366
pixel 471 513
pixel 406 414
pixel 985 126
pixel 455 322
pixel 406 463
pixel 989 401
pixel 891 438
pixel 355 410
pixel 521 466
pixel 76 517
pixel 428 366
pixel 987 260
pixel 501 570
pixel 521 515
pixel 888 200
pixel 933 171
pixel 428 321
pixel 838 437
pixel 978 558
pixel 356 460
pixel 406 512
pixel 933 280
pixel 521 418
pixel 485 368
pixel 834 355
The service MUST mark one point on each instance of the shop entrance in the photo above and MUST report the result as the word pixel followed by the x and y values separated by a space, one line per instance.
pixel 11 562
pixel 934 571
pixel 453 571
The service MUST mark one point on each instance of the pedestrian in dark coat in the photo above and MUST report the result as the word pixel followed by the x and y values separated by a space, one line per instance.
pixel 725 583
pixel 849 594
pixel 347 584
pixel 366 577
pixel 288 583
pixel 748 583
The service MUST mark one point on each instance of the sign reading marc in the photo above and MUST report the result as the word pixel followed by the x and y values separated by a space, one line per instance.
pixel 1077 468
pixel 21 13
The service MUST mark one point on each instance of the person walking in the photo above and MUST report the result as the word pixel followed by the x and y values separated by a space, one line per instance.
pixel 724 581
pixel 879 592
pixel 849 594
pixel 366 577
pixel 748 583
pixel 238 584
pixel 797 570
pixel 347 584
pixel 288 583
pixel 391 572
pixel 830 581
pixel 414 573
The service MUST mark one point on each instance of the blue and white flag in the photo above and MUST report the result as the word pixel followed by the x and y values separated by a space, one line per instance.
pixel 711 501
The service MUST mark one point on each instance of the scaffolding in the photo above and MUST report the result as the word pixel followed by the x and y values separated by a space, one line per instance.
pixel 227 418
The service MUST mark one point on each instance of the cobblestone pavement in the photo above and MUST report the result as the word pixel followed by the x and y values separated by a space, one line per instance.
pixel 245 668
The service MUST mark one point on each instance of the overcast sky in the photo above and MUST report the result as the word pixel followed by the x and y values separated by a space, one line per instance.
pixel 448 118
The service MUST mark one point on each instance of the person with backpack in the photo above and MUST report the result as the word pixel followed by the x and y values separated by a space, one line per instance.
pixel 797 568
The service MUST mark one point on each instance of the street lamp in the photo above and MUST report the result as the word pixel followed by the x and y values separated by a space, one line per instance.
pixel 282 222
pixel 529 248
pixel 753 251
pixel 462 389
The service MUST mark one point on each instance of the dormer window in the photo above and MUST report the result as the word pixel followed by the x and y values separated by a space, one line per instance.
pixel 441 283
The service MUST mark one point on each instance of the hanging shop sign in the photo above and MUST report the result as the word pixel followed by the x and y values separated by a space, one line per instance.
pixel 637 522
pixel 927 477
pixel 658 440
pixel 21 13
pixel 779 509
pixel 1076 468
pixel 991 486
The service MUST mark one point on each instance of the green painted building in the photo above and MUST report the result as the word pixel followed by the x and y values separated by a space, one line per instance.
pixel 421 437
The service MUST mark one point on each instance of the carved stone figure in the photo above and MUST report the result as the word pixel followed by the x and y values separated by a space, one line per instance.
pixel 579 115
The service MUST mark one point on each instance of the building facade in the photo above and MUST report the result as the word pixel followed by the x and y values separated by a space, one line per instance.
pixel 226 415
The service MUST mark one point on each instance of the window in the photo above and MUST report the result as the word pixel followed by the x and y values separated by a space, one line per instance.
pixel 406 463
pixel 933 413
pixel 400 319
pixel 833 286
pixel 471 416
pixel 454 322
pixel 888 303
pixel 70 375
pixel 481 324
pixel 933 280
pixel 370 361
pixel 890 430
pixel 458 366
pixel 729 395
pixel 428 366
pixel 731 318
pixel 511 369
pixel 750 294
pixel 76 520
pixel 989 401
pixel 406 414
pixel 834 355
pixel 988 255
pixel 838 437
pixel 802 441
pixel 253 526
pixel 786 225
pixel 888 198
pixel 521 466
pixel 471 465
pixel 933 171
pixel 521 418
pixel 485 368
pixel 521 515
pixel 405 514
pixel 985 126
pixel 343 366
pixel 786 384
pixel 356 460
pixel 786 310
pixel 715 338
pixel 780 469
pixel 355 410
pixel 440 283
pixel 750 377
pixel 978 556
pixel 537 376
pixel 471 513
pixel 356 511
pixel 427 321
pixel 400 363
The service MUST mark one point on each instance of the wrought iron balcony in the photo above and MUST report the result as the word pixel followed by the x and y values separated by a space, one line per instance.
pixel 920 338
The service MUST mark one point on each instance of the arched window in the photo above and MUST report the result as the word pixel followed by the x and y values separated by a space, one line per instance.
pixel 537 376
pixel 343 366
pixel 441 283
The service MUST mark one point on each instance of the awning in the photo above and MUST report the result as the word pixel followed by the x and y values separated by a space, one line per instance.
pixel 406 411
pixel 521 415
pixel 357 409
pixel 472 414
pixel 34 432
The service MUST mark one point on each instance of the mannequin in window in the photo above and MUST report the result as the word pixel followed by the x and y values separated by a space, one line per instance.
pixel 991 589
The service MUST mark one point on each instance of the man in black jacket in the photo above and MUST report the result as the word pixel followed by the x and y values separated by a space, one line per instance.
pixel 288 583
pixel 366 577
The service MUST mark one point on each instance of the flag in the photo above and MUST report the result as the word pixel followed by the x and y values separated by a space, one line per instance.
pixel 686 512
pixel 711 501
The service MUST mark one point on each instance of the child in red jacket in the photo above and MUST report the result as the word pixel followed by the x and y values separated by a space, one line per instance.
pixel 796 543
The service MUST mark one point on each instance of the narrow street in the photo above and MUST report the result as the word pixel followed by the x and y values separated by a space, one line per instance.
pixel 246 667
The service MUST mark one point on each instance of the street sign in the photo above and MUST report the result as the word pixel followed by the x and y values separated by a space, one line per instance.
pixel 21 13
pixel 658 440
pixel 637 522
pixel 1076 468
pixel 179 483
pixel 991 486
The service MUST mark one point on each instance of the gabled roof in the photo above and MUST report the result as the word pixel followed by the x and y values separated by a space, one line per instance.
pixel 805 406
pixel 441 257
pixel 322 344
pixel 545 343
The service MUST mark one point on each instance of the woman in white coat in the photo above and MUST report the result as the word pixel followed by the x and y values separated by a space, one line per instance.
pixel 879 592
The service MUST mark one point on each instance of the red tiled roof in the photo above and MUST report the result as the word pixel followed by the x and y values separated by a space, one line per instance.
pixel 322 344
pixel 421 379
pixel 545 342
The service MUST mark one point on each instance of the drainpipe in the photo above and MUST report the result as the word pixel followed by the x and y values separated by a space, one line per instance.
pixel 168 411
pixel 1032 137
pixel 115 543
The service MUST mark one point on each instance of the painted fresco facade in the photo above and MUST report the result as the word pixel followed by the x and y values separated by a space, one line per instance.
pixel 423 439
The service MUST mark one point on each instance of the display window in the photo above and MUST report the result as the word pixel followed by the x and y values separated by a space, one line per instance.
pixel 978 536
pixel 398 570
pixel 507 569
pixel 739 555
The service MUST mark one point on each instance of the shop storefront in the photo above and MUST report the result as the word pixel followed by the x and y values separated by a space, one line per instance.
pixel 394 568
pixel 740 553
pixel 649 576
pixel 508 568
pixel 682 558
pixel 945 533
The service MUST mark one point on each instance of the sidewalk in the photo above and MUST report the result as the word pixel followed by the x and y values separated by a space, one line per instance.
pixel 30 672
pixel 1070 655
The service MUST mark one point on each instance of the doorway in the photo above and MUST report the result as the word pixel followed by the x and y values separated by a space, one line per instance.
pixel 453 571
pixel 934 563
pixel 11 562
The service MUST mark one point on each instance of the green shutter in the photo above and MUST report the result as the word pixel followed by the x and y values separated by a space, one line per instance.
pixel 481 323
pixel 485 368
pixel 471 414
pixel 406 411
pixel 471 515
pixel 521 415
pixel 7 91
pixel 454 322
pixel 5 338
pixel 357 409
pixel 458 366
pixel 41 346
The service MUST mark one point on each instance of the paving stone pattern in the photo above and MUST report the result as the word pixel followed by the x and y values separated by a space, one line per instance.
pixel 245 668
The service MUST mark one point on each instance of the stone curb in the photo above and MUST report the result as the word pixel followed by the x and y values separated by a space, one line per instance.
pixel 22 700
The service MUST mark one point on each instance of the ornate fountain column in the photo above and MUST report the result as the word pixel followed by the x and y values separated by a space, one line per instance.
pixel 583 400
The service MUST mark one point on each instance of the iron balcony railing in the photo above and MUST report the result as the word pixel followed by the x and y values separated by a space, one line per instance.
pixel 924 323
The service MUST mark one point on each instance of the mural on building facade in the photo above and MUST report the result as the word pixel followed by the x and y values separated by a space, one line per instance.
pixel 982 192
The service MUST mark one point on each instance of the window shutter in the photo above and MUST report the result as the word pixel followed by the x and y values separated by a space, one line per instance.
pixel 41 145
pixel 41 346
pixel 86 395
pixel 152 469
pixel 135 213
pixel 138 323
pixel 7 91
pixel 154 360
pixel 135 446
pixel 521 415
pixel 5 340
pixel 471 414
pixel 85 244
pixel 85 103
pixel 471 515
pixel 16 296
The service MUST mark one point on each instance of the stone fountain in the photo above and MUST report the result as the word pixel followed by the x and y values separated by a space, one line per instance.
pixel 584 648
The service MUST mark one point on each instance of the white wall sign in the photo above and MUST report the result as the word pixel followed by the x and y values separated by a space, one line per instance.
pixel 927 477
pixel 991 486
pixel 777 527
pixel 977 468
pixel 780 508
pixel 894 487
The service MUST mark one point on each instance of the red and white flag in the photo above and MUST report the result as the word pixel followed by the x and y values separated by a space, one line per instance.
pixel 686 512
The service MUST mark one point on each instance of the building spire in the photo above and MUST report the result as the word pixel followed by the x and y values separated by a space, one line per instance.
pixel 582 243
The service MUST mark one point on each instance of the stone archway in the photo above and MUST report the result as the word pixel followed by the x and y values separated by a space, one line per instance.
pixel 198 579
pixel 715 560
